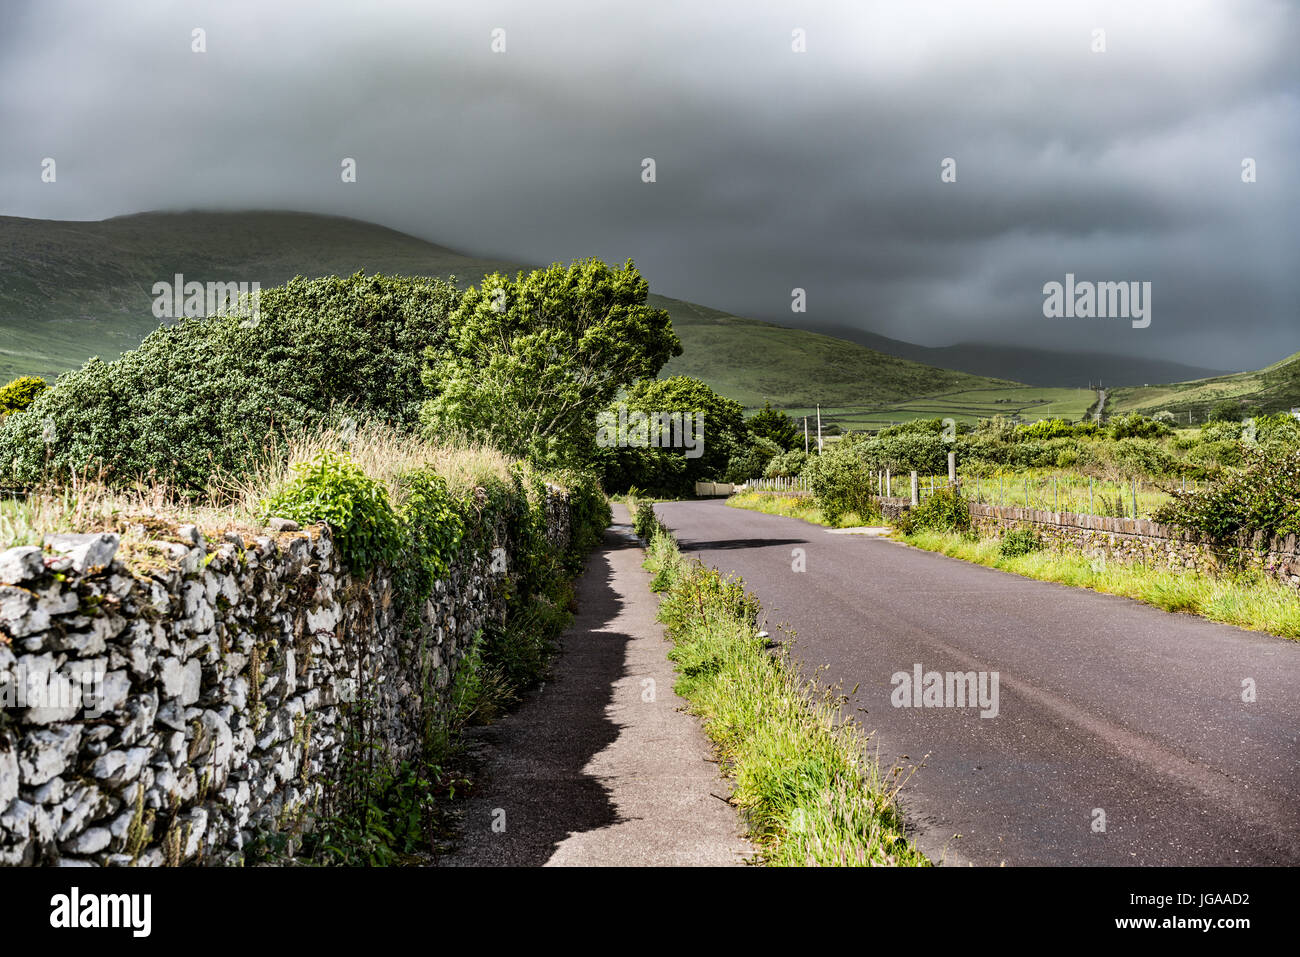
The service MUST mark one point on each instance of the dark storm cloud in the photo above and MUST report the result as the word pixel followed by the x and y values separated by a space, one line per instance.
pixel 775 169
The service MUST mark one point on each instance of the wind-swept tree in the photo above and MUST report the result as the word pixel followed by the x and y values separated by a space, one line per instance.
pixel 527 363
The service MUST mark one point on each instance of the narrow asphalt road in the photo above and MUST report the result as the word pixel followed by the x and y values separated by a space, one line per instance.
pixel 601 766
pixel 1110 713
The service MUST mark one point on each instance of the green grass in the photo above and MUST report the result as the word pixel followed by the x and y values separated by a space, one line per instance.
pixel 791 506
pixel 1250 600
pixel 807 793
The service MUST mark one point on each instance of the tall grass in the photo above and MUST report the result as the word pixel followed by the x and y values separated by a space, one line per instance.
pixel 148 507
pixel 1248 600
pixel 808 794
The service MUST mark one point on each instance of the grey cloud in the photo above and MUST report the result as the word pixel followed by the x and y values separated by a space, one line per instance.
pixel 774 169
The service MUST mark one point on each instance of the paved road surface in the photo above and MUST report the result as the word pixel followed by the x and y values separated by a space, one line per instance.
pixel 588 771
pixel 1104 703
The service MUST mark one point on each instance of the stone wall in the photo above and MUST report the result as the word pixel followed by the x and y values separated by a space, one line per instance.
pixel 171 701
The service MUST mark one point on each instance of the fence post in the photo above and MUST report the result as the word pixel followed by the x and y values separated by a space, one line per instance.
pixel 1026 491
pixel 889 486
pixel 1135 499
pixel 952 468
pixel 915 497
pixel 1091 509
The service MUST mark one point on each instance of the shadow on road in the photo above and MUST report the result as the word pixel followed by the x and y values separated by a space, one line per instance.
pixel 532 760
pixel 740 543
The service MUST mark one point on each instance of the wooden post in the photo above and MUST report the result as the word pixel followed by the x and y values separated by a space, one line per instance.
pixel 915 496
pixel 889 486
pixel 952 468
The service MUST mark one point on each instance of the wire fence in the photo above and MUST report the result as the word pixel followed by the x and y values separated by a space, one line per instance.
pixel 1080 494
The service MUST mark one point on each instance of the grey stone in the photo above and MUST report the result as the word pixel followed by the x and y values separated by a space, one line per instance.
pixel 283 525
pixel 19 612
pixel 45 753
pixel 90 841
pixel 8 771
pixel 89 554
pixel 182 681
pixel 21 564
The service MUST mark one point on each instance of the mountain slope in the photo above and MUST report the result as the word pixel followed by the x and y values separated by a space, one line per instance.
pixel 1274 389
pixel 1037 367
pixel 70 290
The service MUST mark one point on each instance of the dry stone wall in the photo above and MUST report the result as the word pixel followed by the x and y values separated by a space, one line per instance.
pixel 173 701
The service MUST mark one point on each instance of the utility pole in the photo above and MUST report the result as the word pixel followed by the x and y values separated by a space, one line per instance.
pixel 819 429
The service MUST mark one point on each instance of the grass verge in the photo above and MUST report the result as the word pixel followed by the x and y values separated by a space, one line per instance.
pixel 792 506
pixel 1250 601
pixel 807 793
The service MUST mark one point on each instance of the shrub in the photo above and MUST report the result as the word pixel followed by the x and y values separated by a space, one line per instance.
pixel 435 529
pixel 914 427
pixel 1135 426
pixel 20 393
pixel 217 393
pixel 1019 541
pixel 841 483
pixel 1263 496
pixel 1047 429
pixel 788 465
pixel 330 489
pixel 644 520
pixel 944 511
pixel 1142 457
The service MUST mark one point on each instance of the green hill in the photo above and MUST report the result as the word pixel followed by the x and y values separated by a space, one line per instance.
pixel 1274 389
pixel 70 290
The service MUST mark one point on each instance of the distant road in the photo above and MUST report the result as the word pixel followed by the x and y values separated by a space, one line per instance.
pixel 1106 706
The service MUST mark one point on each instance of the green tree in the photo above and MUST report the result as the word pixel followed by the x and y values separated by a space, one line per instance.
pixel 675 470
pixel 1229 410
pixel 774 424
pixel 527 362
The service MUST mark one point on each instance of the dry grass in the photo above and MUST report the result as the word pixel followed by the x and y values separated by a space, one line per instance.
pixel 382 452
pixel 151 510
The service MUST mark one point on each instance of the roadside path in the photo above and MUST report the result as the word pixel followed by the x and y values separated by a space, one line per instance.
pixel 587 771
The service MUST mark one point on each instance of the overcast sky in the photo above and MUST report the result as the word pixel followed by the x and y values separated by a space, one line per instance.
pixel 774 169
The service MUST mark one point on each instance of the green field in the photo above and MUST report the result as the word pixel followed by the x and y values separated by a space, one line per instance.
pixel 1025 402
